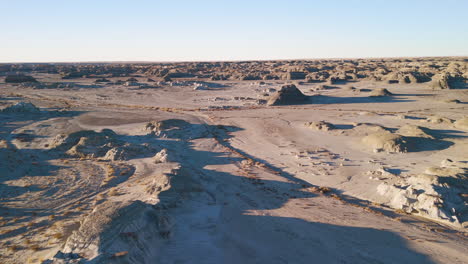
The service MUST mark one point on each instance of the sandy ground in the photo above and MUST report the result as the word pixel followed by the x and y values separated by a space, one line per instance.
pixel 242 182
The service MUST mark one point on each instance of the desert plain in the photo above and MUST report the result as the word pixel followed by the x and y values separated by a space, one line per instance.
pixel 301 161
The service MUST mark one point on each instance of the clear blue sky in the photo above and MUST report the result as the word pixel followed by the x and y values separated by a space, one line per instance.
pixel 144 30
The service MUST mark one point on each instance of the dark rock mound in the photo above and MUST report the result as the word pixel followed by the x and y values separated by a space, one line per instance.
pixel 288 94
pixel 447 81
pixel 167 78
pixel 295 75
pixel 19 78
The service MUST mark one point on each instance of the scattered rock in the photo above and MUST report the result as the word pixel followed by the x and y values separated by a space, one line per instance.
pixel 176 128
pixel 320 125
pixel 90 144
pixel 439 120
pixel 379 174
pixel 436 194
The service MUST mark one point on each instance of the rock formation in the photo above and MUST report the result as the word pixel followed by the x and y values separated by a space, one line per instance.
pixel 287 95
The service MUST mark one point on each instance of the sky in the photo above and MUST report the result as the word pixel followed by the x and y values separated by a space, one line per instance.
pixel 208 30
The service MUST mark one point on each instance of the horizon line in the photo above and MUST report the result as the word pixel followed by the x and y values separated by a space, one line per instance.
pixel 239 60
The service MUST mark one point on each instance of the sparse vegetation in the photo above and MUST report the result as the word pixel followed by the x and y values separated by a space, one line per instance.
pixel 13 248
pixel 35 247
pixel 120 254
pixel 260 168
pixel 57 235
pixel 113 192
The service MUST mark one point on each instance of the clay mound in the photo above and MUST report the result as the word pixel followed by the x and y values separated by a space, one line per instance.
pixel 363 129
pixel 413 131
pixel 385 141
pixel 166 124
pixel 462 123
pixel 19 78
pixel 320 125
pixel 21 107
pixel 380 93
pixel 445 80
pixel 90 144
pixel 437 193
pixel 66 141
pixel 176 128
pixel 287 95
pixel 125 152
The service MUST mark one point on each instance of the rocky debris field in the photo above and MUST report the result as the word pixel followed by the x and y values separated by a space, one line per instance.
pixel 327 161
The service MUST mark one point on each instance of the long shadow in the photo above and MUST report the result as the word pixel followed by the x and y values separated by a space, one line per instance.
pixel 418 95
pixel 445 133
pixel 235 236
pixel 427 144
pixel 10 98
pixel 19 162
pixel 324 99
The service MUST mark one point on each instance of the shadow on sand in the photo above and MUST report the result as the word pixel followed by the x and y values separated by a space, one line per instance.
pixel 214 224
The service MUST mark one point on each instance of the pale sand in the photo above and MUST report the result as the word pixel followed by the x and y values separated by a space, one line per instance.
pixel 241 184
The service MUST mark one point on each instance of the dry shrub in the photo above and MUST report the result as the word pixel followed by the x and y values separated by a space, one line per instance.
pixel 35 247
pixel 120 254
pixel 113 192
pixel 13 248
pixel 324 189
